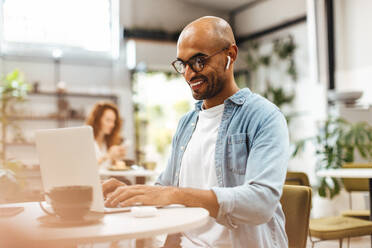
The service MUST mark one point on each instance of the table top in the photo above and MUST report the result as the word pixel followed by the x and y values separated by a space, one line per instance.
pixel 346 173
pixel 134 173
pixel 112 227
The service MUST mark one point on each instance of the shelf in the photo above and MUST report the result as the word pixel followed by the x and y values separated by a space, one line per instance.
pixel 20 144
pixel 73 94
pixel 45 118
pixel 52 116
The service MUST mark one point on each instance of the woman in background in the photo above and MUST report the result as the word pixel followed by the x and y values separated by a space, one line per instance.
pixel 106 123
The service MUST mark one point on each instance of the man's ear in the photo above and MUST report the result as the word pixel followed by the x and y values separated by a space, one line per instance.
pixel 233 52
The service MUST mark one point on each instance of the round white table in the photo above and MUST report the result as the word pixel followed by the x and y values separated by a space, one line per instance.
pixel 350 173
pixel 112 227
pixel 347 173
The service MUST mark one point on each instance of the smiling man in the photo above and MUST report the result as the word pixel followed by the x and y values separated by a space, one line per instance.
pixel 229 154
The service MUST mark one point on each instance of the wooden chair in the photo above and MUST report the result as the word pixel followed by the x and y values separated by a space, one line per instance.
pixel 337 227
pixel 296 203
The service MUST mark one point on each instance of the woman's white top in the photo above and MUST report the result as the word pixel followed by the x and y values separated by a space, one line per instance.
pixel 100 151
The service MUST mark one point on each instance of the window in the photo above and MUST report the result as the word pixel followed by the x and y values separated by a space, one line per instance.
pixel 69 25
pixel 156 116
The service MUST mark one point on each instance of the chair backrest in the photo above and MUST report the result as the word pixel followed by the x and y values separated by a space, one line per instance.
pixel 297 178
pixel 356 184
pixel 296 203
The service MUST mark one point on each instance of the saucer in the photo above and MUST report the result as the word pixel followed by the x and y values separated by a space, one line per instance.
pixel 55 221
pixel 118 169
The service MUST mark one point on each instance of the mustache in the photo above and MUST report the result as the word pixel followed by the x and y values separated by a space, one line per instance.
pixel 198 77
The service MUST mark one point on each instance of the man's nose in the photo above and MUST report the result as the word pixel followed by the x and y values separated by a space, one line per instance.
pixel 189 73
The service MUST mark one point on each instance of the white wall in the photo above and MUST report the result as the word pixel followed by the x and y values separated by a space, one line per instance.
pixel 155 55
pixel 353 40
pixel 267 14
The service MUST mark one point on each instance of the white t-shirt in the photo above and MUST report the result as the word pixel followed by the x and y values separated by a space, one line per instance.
pixel 198 171
pixel 100 152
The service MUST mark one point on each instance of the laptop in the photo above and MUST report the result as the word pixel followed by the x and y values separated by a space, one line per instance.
pixel 67 157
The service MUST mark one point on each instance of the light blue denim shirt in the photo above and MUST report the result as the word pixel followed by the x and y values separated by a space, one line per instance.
pixel 251 158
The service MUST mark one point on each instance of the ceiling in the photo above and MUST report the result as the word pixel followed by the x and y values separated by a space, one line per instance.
pixel 221 5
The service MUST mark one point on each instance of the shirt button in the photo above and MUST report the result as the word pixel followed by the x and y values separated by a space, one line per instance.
pixel 192 124
pixel 182 147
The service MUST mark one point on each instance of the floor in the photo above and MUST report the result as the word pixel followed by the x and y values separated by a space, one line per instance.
pixel 362 242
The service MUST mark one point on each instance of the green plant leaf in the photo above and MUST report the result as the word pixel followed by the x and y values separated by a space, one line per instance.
pixel 265 60
pixel 13 90
pixel 335 189
pixel 322 188
pixel 11 76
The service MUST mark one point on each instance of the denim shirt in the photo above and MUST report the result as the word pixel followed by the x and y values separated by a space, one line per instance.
pixel 251 157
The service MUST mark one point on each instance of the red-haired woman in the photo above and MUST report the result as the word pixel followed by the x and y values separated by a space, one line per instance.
pixel 106 123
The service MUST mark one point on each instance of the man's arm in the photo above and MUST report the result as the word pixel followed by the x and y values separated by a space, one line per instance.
pixel 256 200
pixel 161 196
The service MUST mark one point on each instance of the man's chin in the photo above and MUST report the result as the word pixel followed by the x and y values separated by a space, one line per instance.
pixel 197 96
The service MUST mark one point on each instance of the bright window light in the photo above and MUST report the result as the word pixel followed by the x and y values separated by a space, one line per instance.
pixel 83 24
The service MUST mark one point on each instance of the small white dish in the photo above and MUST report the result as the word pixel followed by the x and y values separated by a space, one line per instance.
pixel 144 211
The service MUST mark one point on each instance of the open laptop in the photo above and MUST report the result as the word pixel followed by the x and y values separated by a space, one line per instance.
pixel 67 157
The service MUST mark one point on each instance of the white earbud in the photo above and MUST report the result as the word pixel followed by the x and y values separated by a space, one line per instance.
pixel 228 62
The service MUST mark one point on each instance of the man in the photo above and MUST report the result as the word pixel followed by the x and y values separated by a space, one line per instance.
pixel 229 155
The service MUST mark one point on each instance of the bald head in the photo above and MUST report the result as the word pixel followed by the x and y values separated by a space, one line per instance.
pixel 207 32
pixel 206 52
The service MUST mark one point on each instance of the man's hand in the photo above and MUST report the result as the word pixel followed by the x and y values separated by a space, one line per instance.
pixel 110 186
pixel 117 193
pixel 142 195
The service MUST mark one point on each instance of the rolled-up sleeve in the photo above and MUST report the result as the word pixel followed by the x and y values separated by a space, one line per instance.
pixel 255 201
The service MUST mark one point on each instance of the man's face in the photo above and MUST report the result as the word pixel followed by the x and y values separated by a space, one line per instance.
pixel 209 82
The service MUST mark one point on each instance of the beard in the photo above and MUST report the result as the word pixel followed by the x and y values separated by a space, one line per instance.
pixel 213 86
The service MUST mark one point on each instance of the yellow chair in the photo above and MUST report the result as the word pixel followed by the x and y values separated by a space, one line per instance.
pixel 296 203
pixel 338 227
pixel 356 185
pixel 297 178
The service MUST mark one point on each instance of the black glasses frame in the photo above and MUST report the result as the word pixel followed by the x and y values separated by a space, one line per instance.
pixel 203 61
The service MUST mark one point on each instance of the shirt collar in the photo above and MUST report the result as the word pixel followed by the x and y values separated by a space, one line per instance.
pixel 238 98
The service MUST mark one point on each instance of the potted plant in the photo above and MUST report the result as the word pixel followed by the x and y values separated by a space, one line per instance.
pixel 336 144
pixel 13 90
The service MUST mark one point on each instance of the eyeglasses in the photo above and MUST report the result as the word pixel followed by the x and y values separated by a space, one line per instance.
pixel 196 63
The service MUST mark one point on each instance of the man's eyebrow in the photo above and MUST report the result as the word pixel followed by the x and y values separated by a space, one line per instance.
pixel 195 55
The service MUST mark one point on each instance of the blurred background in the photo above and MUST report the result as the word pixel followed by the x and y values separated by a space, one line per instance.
pixel 58 58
